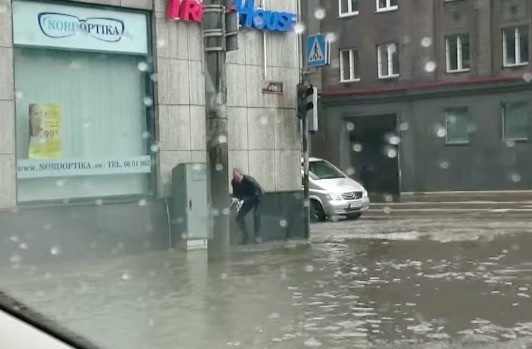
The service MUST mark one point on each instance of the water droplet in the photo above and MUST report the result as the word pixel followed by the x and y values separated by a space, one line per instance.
pixel 309 268
pixel 451 119
pixel 60 182
pixel 55 250
pixel 219 167
pixel 225 211
pixel 391 153
pixel 215 212
pixel 23 246
pixel 527 77
pixel 142 202
pixel 510 144
pixel 19 95
pixel 148 101
pixel 515 177
pixel 426 41
pixel 430 66
pixel 306 203
pixel 283 223
pixel 75 65
pixel 406 39
pixel 223 276
pixel 14 238
pixel 350 171
pixel 387 210
pixel 99 202
pixel 444 165
pixel 126 276
pixel 441 132
pixel 263 120
pixel 154 148
pixel 146 135
pixel 357 147
pixel 222 139
pixel 403 126
pixel 3 8
pixel 299 28
pixel 154 77
pixel 312 342
pixel 388 198
pixel 331 37
pixel 161 42
pixel 15 259
pixel 184 236
pixel 392 48
pixel 319 13
pixel 471 128
pixel 395 140
pixel 47 226
pixel 143 66
pixel 350 126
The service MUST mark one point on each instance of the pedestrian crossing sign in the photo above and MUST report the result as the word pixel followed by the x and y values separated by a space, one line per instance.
pixel 317 51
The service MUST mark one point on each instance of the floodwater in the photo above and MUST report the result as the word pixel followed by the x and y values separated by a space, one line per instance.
pixel 401 283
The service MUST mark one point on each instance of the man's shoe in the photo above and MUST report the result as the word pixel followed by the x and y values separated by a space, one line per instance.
pixel 258 240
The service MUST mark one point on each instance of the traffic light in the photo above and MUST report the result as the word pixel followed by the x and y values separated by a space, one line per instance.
pixel 305 100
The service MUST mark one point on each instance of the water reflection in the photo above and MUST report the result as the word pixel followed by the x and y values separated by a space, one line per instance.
pixel 341 292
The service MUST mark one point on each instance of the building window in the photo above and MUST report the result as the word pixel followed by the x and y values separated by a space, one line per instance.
pixel 349 65
pixel 515 120
pixel 457 125
pixel 84 113
pixel 348 7
pixel 457 53
pixel 388 60
pixel 515 46
pixel 387 5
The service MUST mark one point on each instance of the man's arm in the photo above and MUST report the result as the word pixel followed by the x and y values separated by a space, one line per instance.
pixel 236 190
pixel 257 189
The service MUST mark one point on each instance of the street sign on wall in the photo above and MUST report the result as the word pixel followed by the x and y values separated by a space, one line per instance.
pixel 317 51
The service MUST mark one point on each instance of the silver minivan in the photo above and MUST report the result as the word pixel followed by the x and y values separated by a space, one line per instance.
pixel 333 193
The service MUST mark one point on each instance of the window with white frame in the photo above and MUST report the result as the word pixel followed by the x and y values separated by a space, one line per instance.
pixel 387 5
pixel 457 53
pixel 348 7
pixel 515 120
pixel 515 46
pixel 388 60
pixel 349 65
pixel 457 125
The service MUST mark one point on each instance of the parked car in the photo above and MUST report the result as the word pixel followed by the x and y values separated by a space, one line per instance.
pixel 333 193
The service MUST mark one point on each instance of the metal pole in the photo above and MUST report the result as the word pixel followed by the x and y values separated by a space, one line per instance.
pixel 306 189
pixel 216 126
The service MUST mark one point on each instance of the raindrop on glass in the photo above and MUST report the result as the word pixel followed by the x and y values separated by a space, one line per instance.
pixel 515 177
pixel 406 40
pixel 395 140
pixel 403 126
pixel 215 212
pixel 391 153
pixel 23 246
pixel 126 276
pixel 3 8
pixel 426 41
pixel 148 101
pixel 527 77
pixel 319 13
pixel 19 95
pixel 219 167
pixel 225 211
pixel 263 120
pixel 510 144
pixel 312 342
pixel 60 182
pixel 99 202
pixel 142 202
pixel 161 43
pixel 282 223
pixel 222 139
pixel 331 37
pixel 47 226
pixel 309 268
pixel 441 132
pixel 14 238
pixel 154 77
pixel 444 165
pixel 299 28
pixel 15 258
pixel 142 66
pixel 387 210
pixel 154 148
pixel 388 198
pixel 306 203
pixel 184 236
pixel 430 66
pixel 55 250
pixel 223 276
pixel 350 171
pixel 350 126
pixel 357 147
pixel 146 135
pixel 392 48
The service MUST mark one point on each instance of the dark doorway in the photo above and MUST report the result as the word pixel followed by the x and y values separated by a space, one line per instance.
pixel 375 153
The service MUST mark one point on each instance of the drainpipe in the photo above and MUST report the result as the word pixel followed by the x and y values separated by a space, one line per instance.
pixel 264 51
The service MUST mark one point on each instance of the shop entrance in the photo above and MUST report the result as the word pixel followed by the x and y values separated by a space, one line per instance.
pixel 375 154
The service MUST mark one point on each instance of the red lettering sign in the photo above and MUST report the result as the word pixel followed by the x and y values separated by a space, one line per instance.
pixel 185 10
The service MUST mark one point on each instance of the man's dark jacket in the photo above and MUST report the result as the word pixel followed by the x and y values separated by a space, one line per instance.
pixel 248 188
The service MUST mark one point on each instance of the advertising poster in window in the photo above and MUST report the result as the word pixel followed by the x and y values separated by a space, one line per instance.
pixel 45 138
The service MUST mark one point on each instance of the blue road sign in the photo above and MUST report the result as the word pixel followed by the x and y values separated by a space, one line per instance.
pixel 317 51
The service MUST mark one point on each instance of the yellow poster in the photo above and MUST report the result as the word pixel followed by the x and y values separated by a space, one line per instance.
pixel 45 139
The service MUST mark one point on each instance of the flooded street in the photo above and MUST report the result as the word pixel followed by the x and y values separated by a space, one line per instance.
pixel 417 282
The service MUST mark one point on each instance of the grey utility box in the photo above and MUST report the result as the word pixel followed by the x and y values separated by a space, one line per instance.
pixel 191 220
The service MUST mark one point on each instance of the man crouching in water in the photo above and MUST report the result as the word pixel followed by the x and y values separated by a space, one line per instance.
pixel 247 189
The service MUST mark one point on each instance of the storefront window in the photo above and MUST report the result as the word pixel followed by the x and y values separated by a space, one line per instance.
pixel 81 116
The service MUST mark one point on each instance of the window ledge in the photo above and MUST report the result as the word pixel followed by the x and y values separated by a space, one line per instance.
pixel 387 9
pixel 519 140
pixel 516 65
pixel 348 14
pixel 458 143
pixel 386 77
pixel 348 81
pixel 458 71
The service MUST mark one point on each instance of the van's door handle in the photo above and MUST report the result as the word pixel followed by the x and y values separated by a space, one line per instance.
pixel 190 204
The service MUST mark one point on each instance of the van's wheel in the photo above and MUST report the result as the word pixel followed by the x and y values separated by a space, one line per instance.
pixel 316 212
pixel 353 216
